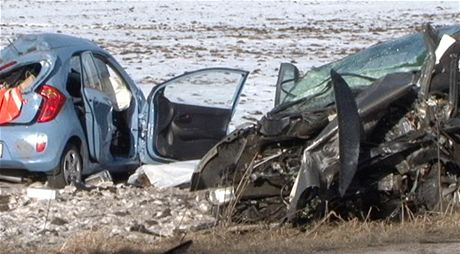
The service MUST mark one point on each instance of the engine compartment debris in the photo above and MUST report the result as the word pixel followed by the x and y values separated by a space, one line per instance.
pixel 369 142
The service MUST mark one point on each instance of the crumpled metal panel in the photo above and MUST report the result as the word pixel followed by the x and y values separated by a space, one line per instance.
pixel 349 131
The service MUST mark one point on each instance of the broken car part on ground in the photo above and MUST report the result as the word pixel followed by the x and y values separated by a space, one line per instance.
pixel 376 134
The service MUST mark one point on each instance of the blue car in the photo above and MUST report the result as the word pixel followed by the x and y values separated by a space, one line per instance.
pixel 76 111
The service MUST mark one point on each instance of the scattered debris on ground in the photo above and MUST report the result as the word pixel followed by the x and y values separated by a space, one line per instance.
pixel 122 210
pixel 164 175
pixel 41 193
pixel 103 178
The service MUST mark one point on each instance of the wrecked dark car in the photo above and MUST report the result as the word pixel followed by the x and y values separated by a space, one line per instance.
pixel 375 134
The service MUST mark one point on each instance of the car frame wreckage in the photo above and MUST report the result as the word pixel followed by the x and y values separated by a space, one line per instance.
pixel 375 134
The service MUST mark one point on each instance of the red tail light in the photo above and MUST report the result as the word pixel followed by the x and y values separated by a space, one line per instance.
pixel 53 100
pixel 40 143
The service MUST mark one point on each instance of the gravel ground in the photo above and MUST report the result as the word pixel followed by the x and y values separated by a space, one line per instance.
pixel 116 210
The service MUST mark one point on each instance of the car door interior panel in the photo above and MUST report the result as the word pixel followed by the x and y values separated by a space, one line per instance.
pixel 186 132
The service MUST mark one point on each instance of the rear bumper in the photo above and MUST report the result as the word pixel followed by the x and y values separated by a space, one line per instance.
pixel 19 149
pixel 29 165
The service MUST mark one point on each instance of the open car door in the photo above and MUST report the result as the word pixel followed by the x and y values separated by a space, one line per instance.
pixel 187 115
pixel 98 112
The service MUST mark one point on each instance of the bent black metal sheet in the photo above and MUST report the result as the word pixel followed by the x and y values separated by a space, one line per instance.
pixel 349 131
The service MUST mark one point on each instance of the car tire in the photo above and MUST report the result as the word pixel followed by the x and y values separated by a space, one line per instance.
pixel 69 168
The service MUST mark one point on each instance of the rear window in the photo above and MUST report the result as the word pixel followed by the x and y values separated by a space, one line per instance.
pixel 23 44
pixel 22 77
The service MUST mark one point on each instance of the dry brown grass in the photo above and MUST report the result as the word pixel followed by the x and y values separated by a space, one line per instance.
pixel 327 236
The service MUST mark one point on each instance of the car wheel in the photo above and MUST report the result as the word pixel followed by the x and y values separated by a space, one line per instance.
pixel 69 168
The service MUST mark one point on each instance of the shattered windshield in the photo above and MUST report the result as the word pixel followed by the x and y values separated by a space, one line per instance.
pixel 359 70
pixel 314 89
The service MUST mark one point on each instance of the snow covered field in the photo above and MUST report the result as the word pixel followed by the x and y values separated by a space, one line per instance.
pixel 158 40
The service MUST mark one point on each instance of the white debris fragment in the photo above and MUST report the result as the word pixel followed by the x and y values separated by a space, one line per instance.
pixel 444 44
pixel 204 207
pixel 138 179
pixel 41 193
pixel 103 178
pixel 164 175
pixel 68 189
pixel 222 196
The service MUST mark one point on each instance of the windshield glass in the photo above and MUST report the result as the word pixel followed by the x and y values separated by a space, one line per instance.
pixel 359 70
pixel 314 90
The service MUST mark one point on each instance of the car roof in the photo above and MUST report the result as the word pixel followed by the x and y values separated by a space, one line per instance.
pixel 53 40
pixel 44 42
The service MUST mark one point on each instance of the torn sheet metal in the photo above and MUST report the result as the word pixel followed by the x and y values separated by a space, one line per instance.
pixel 372 150
pixel 349 131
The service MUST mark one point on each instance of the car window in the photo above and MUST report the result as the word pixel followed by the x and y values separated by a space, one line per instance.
pixel 103 74
pixel 23 77
pixel 287 78
pixel 404 54
pixel 360 69
pixel 113 85
pixel 209 88
pixel 75 65
pixel 74 77
pixel 23 44
pixel 90 76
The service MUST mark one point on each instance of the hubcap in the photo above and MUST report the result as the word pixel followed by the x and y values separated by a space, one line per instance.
pixel 72 167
